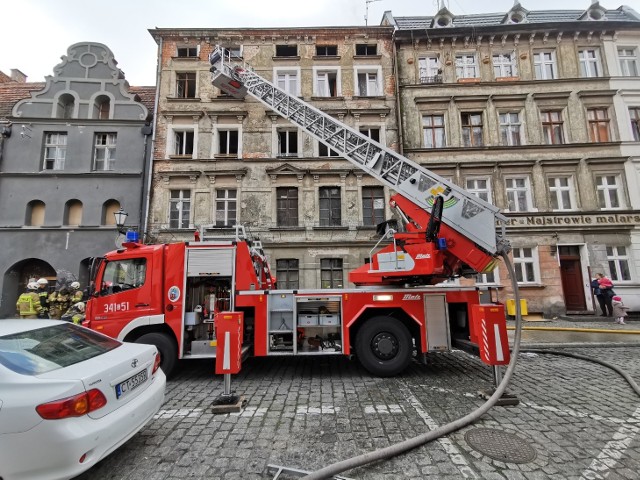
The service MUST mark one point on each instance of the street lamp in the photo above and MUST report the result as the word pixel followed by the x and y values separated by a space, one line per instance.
pixel 121 218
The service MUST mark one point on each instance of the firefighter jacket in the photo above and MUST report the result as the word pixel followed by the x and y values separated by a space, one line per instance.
pixel 75 314
pixel 28 304
pixel 76 297
pixel 58 304
pixel 44 301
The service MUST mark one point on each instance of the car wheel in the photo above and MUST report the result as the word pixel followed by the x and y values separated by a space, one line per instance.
pixel 165 346
pixel 384 346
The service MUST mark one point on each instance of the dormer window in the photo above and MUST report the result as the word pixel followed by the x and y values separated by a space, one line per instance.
pixel 594 13
pixel 517 14
pixel 442 22
pixel 443 19
pixel 516 17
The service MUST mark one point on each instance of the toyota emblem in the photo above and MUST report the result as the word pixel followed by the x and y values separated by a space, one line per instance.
pixel 134 363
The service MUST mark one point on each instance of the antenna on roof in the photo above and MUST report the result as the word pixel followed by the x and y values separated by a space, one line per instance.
pixel 366 15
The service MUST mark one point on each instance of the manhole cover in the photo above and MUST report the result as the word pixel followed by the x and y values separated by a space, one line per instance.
pixel 499 445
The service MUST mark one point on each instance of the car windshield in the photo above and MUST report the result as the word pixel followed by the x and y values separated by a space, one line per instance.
pixel 50 348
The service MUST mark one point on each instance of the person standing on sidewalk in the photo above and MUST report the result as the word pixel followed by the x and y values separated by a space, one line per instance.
pixel 619 310
pixel 599 296
pixel 606 290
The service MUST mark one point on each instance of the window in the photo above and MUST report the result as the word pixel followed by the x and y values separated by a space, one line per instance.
pixel 367 82
pixel 372 206
pixel 466 66
pixel 188 51
pixel 372 132
pixel 331 273
pixel 510 129
pixel 186 85
pixel 489 278
pixel 430 70
pixel 286 50
pixel 472 129
pixel 480 187
pixel 609 191
pixel 504 65
pixel 589 63
pixel 35 213
pixel 287 80
pixel 618 259
pixel 598 124
pixel 55 151
pixel 330 207
pixel 179 208
pixel 66 106
pixel 552 127
pixel 73 212
pixel 324 151
pixel 544 64
pixel 108 209
pixel 104 155
pixel 367 50
pixel 226 208
pixel 102 107
pixel 561 193
pixel 228 142
pixel 287 143
pixel 183 143
pixel 288 273
pixel 433 131
pixel 628 61
pixel 234 52
pixel 327 82
pixel 326 50
pixel 287 206
pixel 524 264
pixel 634 114
pixel 518 194
pixel 124 274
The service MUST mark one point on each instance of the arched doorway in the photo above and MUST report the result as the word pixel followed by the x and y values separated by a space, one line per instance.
pixel 16 278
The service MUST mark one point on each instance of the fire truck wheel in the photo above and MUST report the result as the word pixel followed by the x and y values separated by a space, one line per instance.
pixel 166 348
pixel 384 346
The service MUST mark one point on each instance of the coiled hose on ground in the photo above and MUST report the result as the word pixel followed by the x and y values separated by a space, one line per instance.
pixel 398 448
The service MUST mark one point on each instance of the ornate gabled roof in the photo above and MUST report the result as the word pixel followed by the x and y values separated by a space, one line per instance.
pixel 11 92
pixel 623 14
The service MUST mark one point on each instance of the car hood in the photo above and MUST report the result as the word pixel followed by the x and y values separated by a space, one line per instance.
pixel 110 369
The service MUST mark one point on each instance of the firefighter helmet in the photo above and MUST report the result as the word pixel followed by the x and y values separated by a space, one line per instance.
pixel 43 281
pixel 75 285
pixel 32 286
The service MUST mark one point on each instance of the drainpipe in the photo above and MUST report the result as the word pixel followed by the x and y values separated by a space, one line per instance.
pixel 397 82
pixel 145 219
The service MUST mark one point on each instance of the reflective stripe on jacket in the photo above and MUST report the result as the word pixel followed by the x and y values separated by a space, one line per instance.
pixel 28 304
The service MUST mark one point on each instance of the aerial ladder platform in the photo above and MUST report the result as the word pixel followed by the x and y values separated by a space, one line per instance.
pixel 449 231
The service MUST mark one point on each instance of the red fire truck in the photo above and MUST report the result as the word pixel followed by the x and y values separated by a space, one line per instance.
pixel 175 295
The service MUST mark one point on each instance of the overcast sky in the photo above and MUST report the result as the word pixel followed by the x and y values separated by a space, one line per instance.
pixel 36 33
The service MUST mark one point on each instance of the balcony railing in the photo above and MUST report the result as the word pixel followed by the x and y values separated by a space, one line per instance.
pixel 432 79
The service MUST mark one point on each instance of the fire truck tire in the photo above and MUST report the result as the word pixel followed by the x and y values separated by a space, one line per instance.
pixel 165 346
pixel 384 346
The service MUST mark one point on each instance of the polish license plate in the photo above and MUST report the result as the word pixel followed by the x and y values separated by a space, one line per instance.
pixel 131 383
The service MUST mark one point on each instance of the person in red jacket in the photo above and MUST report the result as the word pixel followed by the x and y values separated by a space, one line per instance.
pixel 606 290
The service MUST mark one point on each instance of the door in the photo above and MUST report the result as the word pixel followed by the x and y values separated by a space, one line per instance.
pixel 571 276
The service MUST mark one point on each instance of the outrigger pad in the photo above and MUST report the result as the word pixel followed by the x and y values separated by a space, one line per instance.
pixel 228 404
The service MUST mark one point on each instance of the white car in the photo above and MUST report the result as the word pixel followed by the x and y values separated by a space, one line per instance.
pixel 69 397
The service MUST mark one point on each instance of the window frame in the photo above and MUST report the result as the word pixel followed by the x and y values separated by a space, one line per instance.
pixel 504 63
pixel 617 260
pixel 526 189
pixel 626 61
pixel 556 191
pixel 331 268
pixel 590 67
pixel 289 133
pixel 178 202
pixel 190 82
pixel 326 51
pixel 598 127
pixel 462 65
pixel 373 203
pixel 366 49
pixel 434 129
pixel 368 70
pixel 223 129
pixel 476 190
pixel 179 148
pixel 470 128
pixel 541 65
pixel 289 75
pixel 285 267
pixel 188 52
pixel 429 69
pixel 634 118
pixel 511 134
pixel 287 207
pixel 524 260
pixel 330 206
pixel 325 91
pixel 226 212
pixel 108 148
pixel 57 161
pixel 549 126
pixel 603 190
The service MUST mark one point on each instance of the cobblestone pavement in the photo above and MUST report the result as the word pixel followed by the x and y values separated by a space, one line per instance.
pixel 575 420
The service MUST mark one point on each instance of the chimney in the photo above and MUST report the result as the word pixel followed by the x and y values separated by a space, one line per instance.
pixel 18 76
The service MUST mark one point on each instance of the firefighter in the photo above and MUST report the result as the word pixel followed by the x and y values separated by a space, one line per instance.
pixel 75 313
pixel 76 294
pixel 59 302
pixel 28 304
pixel 43 293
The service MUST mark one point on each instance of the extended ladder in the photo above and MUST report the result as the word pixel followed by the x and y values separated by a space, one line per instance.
pixel 464 212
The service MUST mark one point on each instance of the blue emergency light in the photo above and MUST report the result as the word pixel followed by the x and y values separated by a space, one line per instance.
pixel 132 236
pixel 442 243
